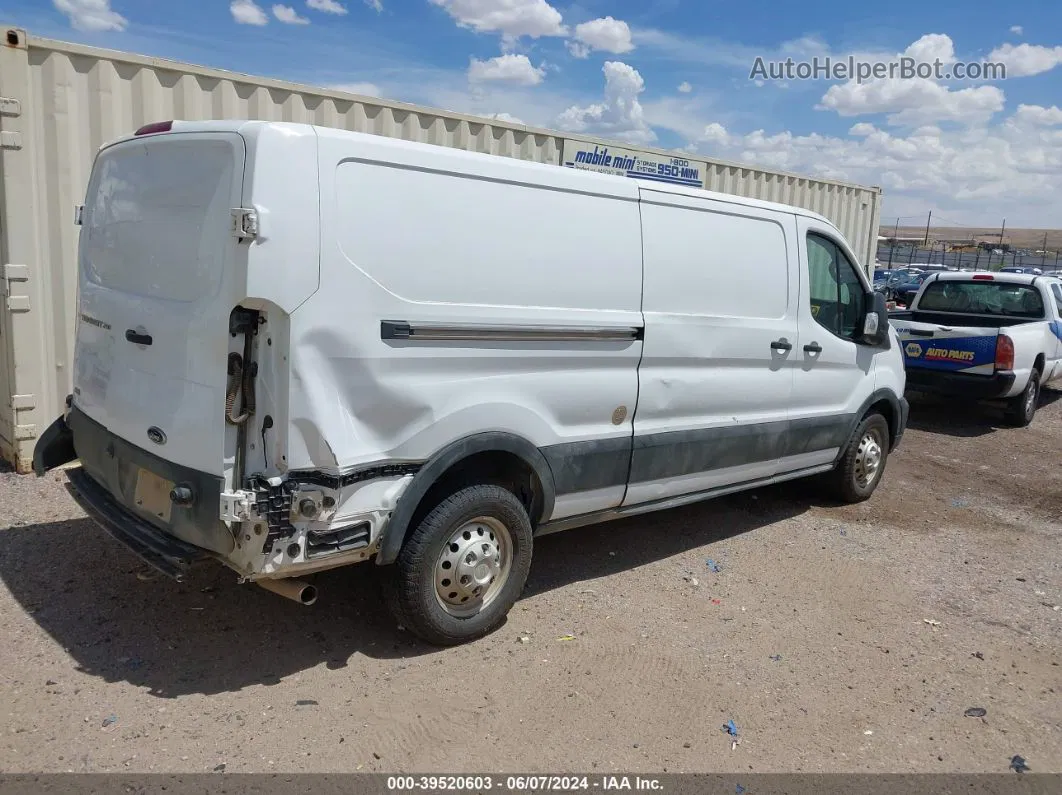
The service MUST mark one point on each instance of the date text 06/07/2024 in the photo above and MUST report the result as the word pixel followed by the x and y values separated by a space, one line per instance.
pixel 520 783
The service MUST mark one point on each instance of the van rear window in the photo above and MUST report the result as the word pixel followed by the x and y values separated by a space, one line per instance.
pixel 982 298
pixel 157 218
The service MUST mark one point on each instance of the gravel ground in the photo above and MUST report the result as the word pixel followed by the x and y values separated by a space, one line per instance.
pixel 838 639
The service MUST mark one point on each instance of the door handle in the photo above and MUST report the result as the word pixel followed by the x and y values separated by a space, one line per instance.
pixel 782 345
pixel 813 348
pixel 136 338
pixel 914 332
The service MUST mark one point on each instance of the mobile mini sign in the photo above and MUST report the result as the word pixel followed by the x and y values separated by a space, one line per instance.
pixel 630 163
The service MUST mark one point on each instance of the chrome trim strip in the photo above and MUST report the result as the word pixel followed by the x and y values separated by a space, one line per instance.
pixel 437 332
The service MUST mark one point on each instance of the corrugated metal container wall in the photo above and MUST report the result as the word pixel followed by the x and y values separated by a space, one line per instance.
pixel 59 102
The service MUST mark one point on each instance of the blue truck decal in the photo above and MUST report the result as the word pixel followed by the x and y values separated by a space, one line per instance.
pixel 950 353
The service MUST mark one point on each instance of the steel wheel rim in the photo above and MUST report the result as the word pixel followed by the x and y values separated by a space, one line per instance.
pixel 869 456
pixel 473 566
pixel 1030 400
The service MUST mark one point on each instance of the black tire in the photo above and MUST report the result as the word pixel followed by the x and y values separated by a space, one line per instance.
pixel 410 584
pixel 1022 408
pixel 846 482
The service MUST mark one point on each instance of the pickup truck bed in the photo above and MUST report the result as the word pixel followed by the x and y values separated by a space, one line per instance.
pixel 1004 350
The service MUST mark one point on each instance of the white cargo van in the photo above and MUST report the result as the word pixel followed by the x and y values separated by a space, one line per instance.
pixel 298 348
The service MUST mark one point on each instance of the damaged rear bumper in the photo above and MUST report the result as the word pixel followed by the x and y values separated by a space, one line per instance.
pixel 167 554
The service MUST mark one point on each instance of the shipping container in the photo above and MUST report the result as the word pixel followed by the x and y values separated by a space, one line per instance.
pixel 59 102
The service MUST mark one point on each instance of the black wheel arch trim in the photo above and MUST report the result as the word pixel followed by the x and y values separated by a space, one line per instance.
pixel 397 527
pixel 897 422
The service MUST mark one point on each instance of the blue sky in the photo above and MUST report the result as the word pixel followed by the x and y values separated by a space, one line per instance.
pixel 670 73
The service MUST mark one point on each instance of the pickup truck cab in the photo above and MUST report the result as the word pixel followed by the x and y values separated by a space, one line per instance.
pixel 986 337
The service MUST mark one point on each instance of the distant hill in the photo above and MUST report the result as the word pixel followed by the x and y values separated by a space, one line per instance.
pixel 1032 239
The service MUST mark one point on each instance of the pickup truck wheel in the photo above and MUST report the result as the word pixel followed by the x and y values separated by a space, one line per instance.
pixel 1023 407
pixel 463 567
pixel 863 461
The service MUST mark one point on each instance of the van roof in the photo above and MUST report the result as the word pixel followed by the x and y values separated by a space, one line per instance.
pixel 605 183
pixel 731 198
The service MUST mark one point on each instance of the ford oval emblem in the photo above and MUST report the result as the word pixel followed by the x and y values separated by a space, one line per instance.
pixel 156 435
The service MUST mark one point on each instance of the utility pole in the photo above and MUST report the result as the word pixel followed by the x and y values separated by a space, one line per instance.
pixel 1003 256
pixel 1043 260
pixel 928 222
pixel 895 234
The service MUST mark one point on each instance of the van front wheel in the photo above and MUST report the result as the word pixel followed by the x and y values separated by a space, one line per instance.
pixel 862 463
pixel 463 567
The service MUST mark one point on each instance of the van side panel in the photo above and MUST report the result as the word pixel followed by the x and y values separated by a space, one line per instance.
pixel 488 250
pixel 720 287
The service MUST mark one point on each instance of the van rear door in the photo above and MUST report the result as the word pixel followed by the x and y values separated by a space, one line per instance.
pixel 159 273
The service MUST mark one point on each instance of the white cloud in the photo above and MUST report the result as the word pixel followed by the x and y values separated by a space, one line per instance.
pixel 685 87
pixel 981 173
pixel 92 15
pixel 1037 115
pixel 620 114
pixel 605 34
pixel 914 101
pixel 1024 60
pixel 720 52
pixel 289 16
pixel 327 6
pixel 510 68
pixel 375 5
pixel 715 134
pixel 364 89
pixel 931 47
pixel 1017 30
pixel 511 18
pixel 507 117
pixel 578 49
pixel 247 12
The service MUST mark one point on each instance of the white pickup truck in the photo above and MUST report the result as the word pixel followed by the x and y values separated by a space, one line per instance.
pixel 984 336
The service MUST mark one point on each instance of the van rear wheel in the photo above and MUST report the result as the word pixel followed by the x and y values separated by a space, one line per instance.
pixel 463 567
pixel 862 463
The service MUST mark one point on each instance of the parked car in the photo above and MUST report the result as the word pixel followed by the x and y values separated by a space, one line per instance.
pixel 985 336
pixel 428 356
pixel 1033 271
pixel 896 278
pixel 904 293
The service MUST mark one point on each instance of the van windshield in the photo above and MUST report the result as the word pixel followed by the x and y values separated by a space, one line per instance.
pixel 157 217
pixel 983 298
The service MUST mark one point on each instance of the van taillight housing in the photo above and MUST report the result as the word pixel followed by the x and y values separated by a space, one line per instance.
pixel 1004 353
pixel 155 128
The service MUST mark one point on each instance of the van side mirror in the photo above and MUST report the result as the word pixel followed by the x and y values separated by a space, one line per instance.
pixel 876 322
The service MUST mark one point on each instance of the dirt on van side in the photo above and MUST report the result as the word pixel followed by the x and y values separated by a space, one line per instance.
pixel 835 638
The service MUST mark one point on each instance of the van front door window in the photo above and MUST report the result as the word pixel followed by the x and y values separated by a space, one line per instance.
pixel 836 293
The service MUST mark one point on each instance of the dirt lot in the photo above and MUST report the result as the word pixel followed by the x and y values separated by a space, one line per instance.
pixel 812 637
